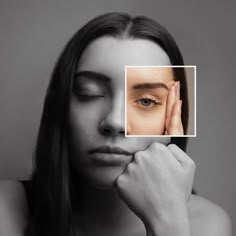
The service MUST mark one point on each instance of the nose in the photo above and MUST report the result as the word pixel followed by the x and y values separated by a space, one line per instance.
pixel 113 124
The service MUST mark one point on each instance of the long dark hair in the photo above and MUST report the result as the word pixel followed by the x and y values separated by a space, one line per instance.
pixel 50 200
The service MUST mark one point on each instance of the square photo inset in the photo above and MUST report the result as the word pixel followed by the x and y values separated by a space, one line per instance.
pixel 160 101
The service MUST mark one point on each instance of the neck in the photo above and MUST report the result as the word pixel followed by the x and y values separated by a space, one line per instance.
pixel 104 211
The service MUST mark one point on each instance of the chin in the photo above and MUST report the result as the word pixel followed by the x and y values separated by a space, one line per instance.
pixel 103 177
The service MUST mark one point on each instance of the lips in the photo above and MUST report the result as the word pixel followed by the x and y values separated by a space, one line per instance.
pixel 110 156
pixel 109 149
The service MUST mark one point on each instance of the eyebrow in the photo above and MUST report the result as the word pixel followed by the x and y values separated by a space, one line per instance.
pixel 92 75
pixel 150 86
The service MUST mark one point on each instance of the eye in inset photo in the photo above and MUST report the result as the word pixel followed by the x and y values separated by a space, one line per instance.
pixel 160 100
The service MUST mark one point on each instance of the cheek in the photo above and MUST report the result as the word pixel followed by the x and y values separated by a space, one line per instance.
pixel 146 122
pixel 84 135
pixel 85 116
pixel 83 125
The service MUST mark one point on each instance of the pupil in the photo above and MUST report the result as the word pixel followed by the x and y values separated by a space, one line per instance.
pixel 146 102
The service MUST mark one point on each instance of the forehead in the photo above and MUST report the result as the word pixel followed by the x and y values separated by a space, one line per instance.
pixel 109 54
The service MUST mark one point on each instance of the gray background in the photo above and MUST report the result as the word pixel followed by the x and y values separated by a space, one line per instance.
pixel 33 34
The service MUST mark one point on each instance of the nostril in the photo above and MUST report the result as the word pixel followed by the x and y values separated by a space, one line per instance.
pixel 109 130
pixel 112 125
pixel 122 132
pixel 106 131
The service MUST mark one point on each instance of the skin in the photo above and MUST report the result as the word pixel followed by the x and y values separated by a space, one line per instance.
pixel 97 112
pixel 106 111
pixel 150 109
pixel 173 121
pixel 149 194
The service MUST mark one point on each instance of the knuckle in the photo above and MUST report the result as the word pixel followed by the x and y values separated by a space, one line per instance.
pixel 191 163
pixel 156 145
pixel 130 167
pixel 172 146
pixel 138 157
pixel 162 149
pixel 120 181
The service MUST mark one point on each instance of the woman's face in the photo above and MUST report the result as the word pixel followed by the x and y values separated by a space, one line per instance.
pixel 147 91
pixel 99 150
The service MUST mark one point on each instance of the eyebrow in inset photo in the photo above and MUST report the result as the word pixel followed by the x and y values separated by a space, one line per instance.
pixel 160 100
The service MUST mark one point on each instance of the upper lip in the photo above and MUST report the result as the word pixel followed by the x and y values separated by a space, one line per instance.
pixel 109 149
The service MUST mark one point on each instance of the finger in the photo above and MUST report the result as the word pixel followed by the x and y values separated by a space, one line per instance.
pixel 178 90
pixel 181 128
pixel 180 155
pixel 175 123
pixel 178 96
pixel 169 104
pixel 180 115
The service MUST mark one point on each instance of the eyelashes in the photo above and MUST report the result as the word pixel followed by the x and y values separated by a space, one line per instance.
pixel 147 102
pixel 88 97
pixel 144 103
pixel 89 93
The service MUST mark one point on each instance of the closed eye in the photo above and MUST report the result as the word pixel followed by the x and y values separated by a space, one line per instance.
pixel 89 97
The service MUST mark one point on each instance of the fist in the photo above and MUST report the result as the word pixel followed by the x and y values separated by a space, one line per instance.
pixel 157 184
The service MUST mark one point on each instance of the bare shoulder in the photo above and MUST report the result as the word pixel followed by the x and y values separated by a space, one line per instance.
pixel 13 208
pixel 208 218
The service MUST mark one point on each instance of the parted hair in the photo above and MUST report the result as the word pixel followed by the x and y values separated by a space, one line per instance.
pixel 50 190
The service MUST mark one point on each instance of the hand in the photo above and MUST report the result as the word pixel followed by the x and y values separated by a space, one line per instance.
pixel 173 124
pixel 157 185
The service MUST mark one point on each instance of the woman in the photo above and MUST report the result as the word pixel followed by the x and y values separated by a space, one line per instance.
pixel 88 178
